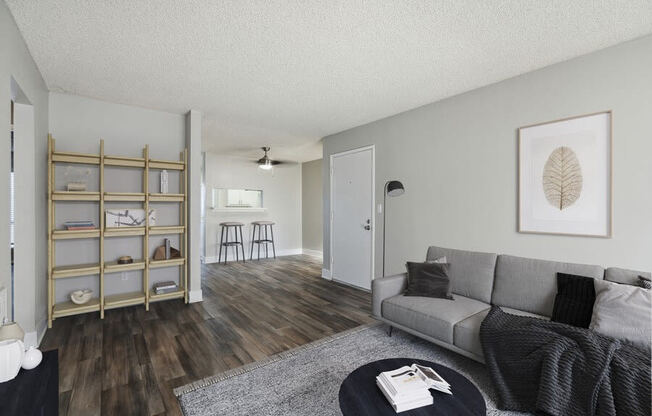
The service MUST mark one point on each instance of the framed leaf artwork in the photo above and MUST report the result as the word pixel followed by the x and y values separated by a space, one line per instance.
pixel 565 175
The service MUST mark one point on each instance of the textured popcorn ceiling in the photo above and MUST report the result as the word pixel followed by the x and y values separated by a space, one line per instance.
pixel 286 73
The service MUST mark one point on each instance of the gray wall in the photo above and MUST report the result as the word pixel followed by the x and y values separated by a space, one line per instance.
pixel 311 205
pixel 77 124
pixel 16 62
pixel 458 161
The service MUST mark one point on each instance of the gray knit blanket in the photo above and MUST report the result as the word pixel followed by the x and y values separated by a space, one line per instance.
pixel 555 369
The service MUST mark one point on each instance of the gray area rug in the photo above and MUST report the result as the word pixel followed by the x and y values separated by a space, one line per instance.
pixel 306 380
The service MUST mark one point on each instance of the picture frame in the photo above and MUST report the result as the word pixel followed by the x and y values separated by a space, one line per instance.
pixel 128 217
pixel 565 176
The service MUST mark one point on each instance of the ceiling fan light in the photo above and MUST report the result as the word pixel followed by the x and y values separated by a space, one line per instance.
pixel 266 165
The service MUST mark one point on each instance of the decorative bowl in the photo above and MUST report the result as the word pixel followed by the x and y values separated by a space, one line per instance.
pixel 80 297
pixel 125 260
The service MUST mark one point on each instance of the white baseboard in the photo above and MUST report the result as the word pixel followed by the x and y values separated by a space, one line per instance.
pixel 231 255
pixel 30 339
pixel 314 253
pixel 326 274
pixel 34 338
pixel 41 329
pixel 195 296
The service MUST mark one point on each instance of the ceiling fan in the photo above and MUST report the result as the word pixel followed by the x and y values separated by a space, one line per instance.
pixel 265 162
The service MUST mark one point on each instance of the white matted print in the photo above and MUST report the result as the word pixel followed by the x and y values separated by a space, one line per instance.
pixel 128 217
pixel 565 173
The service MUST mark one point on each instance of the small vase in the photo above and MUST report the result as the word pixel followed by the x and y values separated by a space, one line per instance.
pixel 164 181
pixel 33 357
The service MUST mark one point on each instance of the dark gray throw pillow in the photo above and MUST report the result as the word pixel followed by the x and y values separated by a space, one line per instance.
pixel 574 300
pixel 428 280
pixel 644 282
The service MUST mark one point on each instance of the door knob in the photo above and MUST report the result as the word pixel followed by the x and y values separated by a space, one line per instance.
pixel 367 227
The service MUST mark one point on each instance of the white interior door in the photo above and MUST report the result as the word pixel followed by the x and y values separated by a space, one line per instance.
pixel 352 226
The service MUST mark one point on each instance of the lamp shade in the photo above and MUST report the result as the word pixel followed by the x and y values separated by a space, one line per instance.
pixel 395 188
pixel 11 330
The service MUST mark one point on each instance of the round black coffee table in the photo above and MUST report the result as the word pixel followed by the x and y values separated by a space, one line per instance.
pixel 359 395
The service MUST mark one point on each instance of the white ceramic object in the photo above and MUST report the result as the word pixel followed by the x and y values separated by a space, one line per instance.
pixel 32 358
pixel 164 181
pixel 80 297
pixel 12 352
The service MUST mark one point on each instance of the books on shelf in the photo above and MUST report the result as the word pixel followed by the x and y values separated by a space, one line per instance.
pixel 161 288
pixel 408 388
pixel 79 225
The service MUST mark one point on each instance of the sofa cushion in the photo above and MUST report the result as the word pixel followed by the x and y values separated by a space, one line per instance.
pixel 431 316
pixel 466 333
pixel 471 273
pixel 623 312
pixel 574 300
pixel 428 280
pixel 531 285
pixel 630 277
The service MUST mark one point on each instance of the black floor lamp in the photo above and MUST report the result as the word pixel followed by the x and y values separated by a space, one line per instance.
pixel 392 188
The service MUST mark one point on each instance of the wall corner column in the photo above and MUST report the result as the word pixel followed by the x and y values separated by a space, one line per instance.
pixel 193 143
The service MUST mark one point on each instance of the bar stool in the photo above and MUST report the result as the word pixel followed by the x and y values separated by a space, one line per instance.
pixel 226 243
pixel 256 225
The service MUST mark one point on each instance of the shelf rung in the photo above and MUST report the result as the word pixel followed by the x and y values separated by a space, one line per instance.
pixel 164 229
pixel 73 270
pixel 68 308
pixel 153 264
pixel 124 299
pixel 123 231
pixel 166 164
pixel 114 267
pixel 72 157
pixel 75 196
pixel 171 295
pixel 124 196
pixel 129 162
pixel 166 197
pixel 70 234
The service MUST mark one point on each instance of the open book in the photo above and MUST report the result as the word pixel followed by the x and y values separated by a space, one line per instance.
pixel 432 378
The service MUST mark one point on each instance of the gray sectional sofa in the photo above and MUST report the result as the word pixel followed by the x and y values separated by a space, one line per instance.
pixel 519 285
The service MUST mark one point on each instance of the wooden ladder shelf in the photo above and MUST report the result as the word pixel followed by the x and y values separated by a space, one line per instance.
pixel 103 268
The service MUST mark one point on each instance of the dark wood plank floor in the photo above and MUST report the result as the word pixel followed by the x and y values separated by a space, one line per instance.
pixel 128 363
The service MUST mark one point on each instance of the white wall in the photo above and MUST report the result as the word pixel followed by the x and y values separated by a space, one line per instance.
pixel 311 205
pixel 281 198
pixel 458 161
pixel 17 63
pixel 195 161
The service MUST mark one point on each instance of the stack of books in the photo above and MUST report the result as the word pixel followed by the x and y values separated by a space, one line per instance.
pixel 408 388
pixel 161 288
pixel 79 225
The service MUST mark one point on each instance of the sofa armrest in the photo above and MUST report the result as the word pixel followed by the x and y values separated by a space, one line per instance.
pixel 386 287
